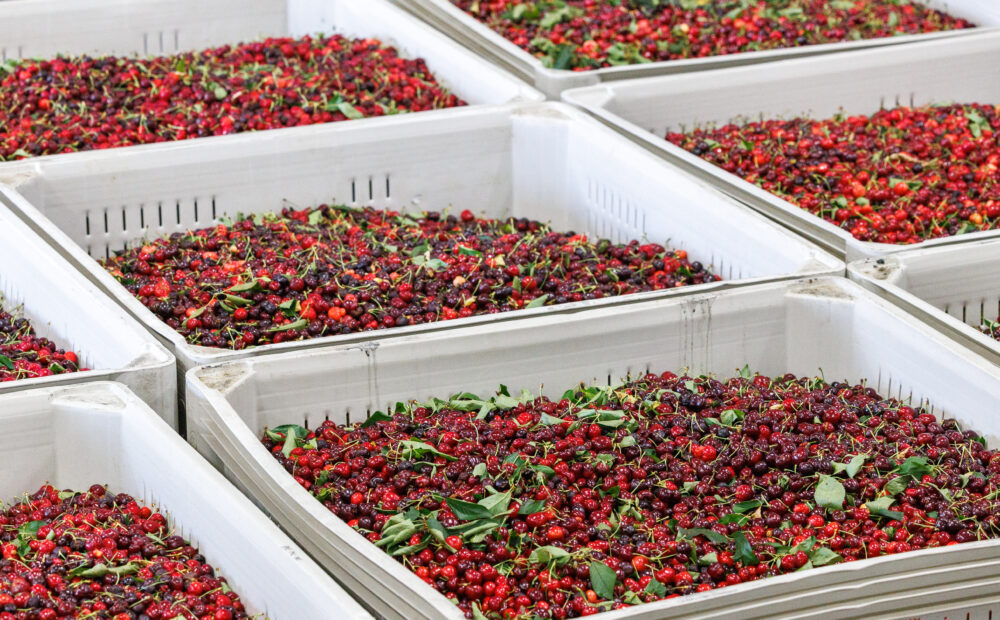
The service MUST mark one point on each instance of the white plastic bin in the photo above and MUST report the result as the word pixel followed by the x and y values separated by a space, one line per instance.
pixel 829 325
pixel 954 288
pixel 65 307
pixel 478 37
pixel 543 161
pixel 956 70
pixel 44 28
pixel 101 433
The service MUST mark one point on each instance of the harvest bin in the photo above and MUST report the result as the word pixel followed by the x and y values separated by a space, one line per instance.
pixel 478 37
pixel 65 307
pixel 956 70
pixel 827 325
pixel 954 289
pixel 101 433
pixel 543 161
pixel 45 28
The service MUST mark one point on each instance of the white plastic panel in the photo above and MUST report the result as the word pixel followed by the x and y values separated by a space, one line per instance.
pixel 102 434
pixel 544 161
pixel 953 288
pixel 956 70
pixel 829 326
pixel 65 307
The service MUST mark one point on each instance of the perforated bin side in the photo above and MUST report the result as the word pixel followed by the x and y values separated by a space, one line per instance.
pixel 522 159
pixel 479 37
pixel 62 305
pixel 959 69
pixel 43 28
pixel 953 288
pixel 828 326
pixel 101 433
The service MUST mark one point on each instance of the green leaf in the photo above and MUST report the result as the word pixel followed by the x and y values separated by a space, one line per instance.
pixel 897 485
pixel 881 506
pixel 730 417
pixel 549 420
pixel 549 554
pixel 691 386
pixel 830 493
pixel 627 441
pixel 822 556
pixel 496 503
pixel 100 570
pixel 505 401
pixel 344 108
pixel 220 92
pixel 744 551
pixel 537 302
pixel 6 362
pixel 375 418
pixel 246 286
pixel 289 442
pixel 290 326
pixel 915 467
pixel 746 373
pixel 467 511
pixel 477 614
pixel 480 470
pixel 603 580
pixel 315 217
pixel 747 506
pixel 417 449
pixel 806 545
pixel 851 467
pixel 564 58
pixel 531 506
pixel 656 588
pixel 711 535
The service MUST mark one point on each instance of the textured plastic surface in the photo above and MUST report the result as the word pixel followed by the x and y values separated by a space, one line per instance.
pixel 43 28
pixel 828 325
pixel 478 37
pixel 64 306
pixel 100 433
pixel 957 70
pixel 954 288
pixel 544 161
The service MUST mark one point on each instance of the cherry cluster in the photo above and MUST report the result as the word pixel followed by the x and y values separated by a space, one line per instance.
pixel 97 555
pixel 337 270
pixel 521 506
pixel 82 103
pixel 901 175
pixel 586 34
pixel 26 355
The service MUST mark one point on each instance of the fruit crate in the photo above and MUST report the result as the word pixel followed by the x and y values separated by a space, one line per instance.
pixel 953 288
pixel 827 325
pixel 478 37
pixel 45 28
pixel 545 161
pixel 956 70
pixel 65 307
pixel 101 433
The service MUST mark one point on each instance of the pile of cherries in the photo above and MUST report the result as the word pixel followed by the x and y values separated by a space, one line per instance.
pixel 522 506
pixel 98 555
pixel 26 355
pixel 901 175
pixel 587 34
pixel 82 103
pixel 338 270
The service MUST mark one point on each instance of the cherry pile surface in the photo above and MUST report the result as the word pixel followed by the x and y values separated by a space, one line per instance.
pixel 26 355
pixel 661 486
pixel 587 34
pixel 901 175
pixel 98 555
pixel 337 270
pixel 82 103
